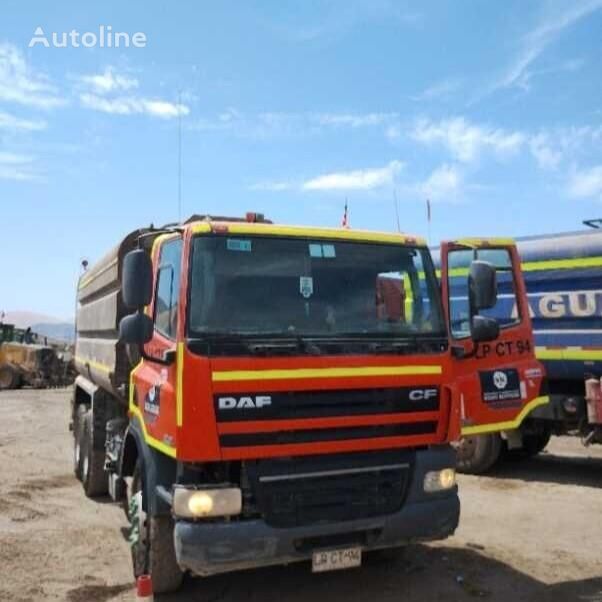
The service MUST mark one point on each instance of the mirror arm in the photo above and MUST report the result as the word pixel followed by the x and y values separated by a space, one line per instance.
pixel 168 358
pixel 461 354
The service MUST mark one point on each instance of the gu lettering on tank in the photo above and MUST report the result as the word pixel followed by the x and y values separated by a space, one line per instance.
pixel 501 388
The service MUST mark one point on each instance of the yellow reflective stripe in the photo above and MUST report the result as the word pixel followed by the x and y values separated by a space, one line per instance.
pixel 562 264
pixel 568 353
pixel 306 373
pixel 546 264
pixel 409 298
pixel 180 373
pixel 94 364
pixel 478 242
pixel 508 425
pixel 299 231
pixel 135 410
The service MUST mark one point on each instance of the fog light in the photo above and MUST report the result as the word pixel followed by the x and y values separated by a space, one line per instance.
pixel 439 480
pixel 200 504
pixel 206 503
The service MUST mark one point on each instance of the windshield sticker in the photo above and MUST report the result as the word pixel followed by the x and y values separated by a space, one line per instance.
pixel 315 250
pixel 328 251
pixel 306 286
pixel 318 250
pixel 235 244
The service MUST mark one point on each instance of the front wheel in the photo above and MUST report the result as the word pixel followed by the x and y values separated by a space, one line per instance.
pixel 9 377
pixel 151 541
pixel 477 454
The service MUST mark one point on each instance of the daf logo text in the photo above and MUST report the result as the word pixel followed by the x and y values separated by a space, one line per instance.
pixel 244 403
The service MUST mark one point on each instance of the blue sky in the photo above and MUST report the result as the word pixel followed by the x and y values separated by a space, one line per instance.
pixel 493 110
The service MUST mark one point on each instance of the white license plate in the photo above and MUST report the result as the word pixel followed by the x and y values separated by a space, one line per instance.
pixel 334 560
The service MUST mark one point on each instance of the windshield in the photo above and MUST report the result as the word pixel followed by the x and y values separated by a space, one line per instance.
pixel 292 286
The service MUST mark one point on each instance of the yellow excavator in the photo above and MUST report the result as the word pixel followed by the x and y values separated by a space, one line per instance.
pixel 25 362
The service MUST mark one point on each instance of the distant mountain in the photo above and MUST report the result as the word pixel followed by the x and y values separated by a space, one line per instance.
pixel 44 325
pixel 23 319
pixel 60 331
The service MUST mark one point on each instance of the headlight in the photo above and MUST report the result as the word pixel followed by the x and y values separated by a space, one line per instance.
pixel 439 480
pixel 206 503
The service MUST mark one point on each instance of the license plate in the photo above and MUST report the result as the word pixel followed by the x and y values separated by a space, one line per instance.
pixel 334 560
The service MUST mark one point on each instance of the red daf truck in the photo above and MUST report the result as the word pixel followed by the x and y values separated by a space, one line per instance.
pixel 256 395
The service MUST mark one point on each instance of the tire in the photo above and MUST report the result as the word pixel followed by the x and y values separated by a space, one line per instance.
pixel 536 443
pixel 151 540
pixel 533 444
pixel 9 377
pixel 93 476
pixel 78 436
pixel 477 454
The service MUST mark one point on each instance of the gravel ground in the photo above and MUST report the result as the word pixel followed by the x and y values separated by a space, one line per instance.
pixel 530 531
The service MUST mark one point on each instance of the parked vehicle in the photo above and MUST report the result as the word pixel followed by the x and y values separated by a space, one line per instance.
pixel 255 395
pixel 563 275
pixel 25 363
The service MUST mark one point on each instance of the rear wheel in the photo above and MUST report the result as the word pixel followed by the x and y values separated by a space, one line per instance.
pixel 94 478
pixel 78 436
pixel 151 540
pixel 477 454
pixel 9 377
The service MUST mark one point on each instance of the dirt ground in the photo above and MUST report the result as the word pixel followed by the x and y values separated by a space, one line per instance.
pixel 532 531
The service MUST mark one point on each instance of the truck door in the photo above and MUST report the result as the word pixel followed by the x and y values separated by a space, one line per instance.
pixel 500 381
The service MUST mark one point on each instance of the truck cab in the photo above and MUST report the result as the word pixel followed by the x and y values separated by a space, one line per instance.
pixel 276 393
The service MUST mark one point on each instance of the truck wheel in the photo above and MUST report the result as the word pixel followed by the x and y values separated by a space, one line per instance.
pixel 9 377
pixel 94 478
pixel 478 453
pixel 78 436
pixel 151 540
pixel 534 444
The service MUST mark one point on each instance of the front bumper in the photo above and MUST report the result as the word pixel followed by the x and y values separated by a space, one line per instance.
pixel 218 547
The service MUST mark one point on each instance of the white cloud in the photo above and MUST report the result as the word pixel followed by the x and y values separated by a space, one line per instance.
pixel 13 123
pixel 537 40
pixel 20 84
pixel 16 167
pixel 437 91
pixel 585 183
pixel 359 179
pixel 467 141
pixel 107 92
pixel 444 184
pixel 132 105
pixel 272 186
pixel 545 154
pixel 269 124
pixel 109 81
pixel 353 120
pixel 554 146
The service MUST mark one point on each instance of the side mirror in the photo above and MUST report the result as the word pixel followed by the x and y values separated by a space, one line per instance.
pixel 482 286
pixel 136 329
pixel 137 279
pixel 483 329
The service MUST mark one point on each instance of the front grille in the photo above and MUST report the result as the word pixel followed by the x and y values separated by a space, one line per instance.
pixel 328 434
pixel 233 407
pixel 324 489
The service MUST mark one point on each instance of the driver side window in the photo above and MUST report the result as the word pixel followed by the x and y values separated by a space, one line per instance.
pixel 168 288
pixel 505 310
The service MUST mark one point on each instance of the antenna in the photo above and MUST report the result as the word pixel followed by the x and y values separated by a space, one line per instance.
pixel 396 209
pixel 179 156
